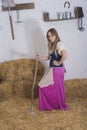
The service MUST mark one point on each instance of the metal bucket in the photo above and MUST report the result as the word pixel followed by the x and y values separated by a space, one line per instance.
pixel 67 15
pixel 60 15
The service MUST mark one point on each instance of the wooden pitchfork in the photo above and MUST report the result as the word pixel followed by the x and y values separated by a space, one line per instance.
pixel 33 87
pixel 9 4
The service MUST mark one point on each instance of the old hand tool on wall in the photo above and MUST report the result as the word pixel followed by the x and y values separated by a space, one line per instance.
pixel 9 4
pixel 79 14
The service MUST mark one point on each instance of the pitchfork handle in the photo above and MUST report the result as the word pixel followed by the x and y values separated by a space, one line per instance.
pixel 11 24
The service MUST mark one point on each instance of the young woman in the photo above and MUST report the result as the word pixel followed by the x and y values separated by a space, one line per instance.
pixel 51 86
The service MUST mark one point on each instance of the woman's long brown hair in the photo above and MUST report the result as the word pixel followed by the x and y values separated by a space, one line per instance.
pixel 52 46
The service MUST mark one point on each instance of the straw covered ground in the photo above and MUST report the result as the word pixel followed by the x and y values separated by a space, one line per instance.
pixel 15 114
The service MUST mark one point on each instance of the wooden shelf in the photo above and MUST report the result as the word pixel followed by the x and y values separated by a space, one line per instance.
pixel 51 20
pixel 47 19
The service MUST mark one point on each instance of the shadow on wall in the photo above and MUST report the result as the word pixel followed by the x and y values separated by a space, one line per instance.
pixel 36 41
pixel 35 37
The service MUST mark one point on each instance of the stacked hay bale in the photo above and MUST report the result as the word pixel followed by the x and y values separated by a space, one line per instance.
pixel 16 78
pixel 76 88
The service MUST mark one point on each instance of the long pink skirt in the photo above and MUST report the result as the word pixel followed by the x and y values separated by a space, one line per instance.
pixel 52 97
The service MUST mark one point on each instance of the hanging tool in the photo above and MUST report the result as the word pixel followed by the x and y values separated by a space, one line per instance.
pixel 9 4
pixel 18 17
pixel 80 27
pixel 33 87
pixel 79 15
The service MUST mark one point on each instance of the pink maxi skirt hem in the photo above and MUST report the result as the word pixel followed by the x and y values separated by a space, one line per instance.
pixel 52 97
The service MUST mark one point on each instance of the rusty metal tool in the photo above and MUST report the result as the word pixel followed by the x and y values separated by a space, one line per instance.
pixel 9 4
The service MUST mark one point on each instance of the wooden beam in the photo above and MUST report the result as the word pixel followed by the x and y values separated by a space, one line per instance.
pixel 21 6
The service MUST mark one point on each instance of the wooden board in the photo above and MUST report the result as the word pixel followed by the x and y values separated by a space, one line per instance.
pixel 20 6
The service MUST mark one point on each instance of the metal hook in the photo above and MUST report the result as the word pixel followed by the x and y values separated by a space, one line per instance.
pixel 18 17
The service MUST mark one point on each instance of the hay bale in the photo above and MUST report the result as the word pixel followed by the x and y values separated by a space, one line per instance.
pixel 24 88
pixel 2 95
pixel 6 90
pixel 76 88
pixel 16 77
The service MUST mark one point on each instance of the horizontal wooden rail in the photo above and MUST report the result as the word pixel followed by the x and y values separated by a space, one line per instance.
pixel 21 6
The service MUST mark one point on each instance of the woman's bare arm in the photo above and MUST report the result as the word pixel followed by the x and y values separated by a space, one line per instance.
pixel 43 57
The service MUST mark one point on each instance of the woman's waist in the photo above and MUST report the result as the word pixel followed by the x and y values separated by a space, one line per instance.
pixel 52 65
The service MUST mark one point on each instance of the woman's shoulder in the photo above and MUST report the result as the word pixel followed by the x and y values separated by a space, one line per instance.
pixel 60 45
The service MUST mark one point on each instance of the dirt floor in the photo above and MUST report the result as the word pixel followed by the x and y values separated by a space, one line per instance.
pixel 15 112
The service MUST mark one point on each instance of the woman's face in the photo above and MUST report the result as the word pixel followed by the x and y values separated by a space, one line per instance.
pixel 51 37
